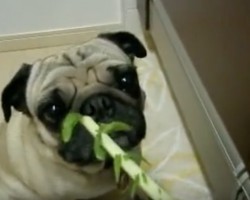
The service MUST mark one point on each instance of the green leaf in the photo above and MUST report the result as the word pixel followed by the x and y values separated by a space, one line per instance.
pixel 135 156
pixel 126 157
pixel 160 191
pixel 135 185
pixel 114 127
pixel 117 167
pixel 107 128
pixel 144 178
pixel 68 125
pixel 100 153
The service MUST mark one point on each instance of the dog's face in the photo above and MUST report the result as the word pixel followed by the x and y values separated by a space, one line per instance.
pixel 98 79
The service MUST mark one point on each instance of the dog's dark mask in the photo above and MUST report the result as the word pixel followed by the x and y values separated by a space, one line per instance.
pixel 111 94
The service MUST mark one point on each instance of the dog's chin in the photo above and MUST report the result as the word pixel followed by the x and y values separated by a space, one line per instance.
pixel 98 166
pixel 94 168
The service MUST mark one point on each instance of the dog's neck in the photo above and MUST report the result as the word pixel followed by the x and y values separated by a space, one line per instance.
pixel 37 171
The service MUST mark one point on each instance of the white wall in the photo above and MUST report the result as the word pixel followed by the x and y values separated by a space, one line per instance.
pixel 29 16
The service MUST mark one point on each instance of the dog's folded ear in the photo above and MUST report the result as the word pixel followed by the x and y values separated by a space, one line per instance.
pixel 14 93
pixel 130 44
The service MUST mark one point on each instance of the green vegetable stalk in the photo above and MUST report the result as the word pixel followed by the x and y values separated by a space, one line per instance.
pixel 104 144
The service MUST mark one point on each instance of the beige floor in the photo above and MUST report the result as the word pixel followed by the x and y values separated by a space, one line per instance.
pixel 166 146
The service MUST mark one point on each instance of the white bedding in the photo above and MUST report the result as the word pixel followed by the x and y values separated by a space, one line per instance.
pixel 166 147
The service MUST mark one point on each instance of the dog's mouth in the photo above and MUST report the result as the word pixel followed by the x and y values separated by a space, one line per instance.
pixel 80 149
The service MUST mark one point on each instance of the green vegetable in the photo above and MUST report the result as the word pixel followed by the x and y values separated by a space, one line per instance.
pixel 135 185
pixel 105 128
pixel 103 143
pixel 144 177
pixel 113 127
pixel 68 125
pixel 117 167
pixel 100 153
pixel 137 157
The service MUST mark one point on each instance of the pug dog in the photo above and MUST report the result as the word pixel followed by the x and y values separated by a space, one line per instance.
pixel 97 79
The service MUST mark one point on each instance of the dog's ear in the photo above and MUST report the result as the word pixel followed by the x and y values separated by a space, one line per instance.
pixel 14 93
pixel 130 44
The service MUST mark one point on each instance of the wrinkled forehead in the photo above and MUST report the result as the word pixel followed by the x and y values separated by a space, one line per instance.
pixel 97 54
pixel 85 64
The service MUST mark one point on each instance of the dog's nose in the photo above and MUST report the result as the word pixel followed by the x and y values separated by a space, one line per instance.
pixel 99 107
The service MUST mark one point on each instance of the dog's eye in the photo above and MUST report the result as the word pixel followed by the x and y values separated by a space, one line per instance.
pixel 53 112
pixel 126 79
pixel 128 82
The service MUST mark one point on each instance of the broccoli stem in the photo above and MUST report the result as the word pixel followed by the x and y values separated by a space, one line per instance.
pixel 129 166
